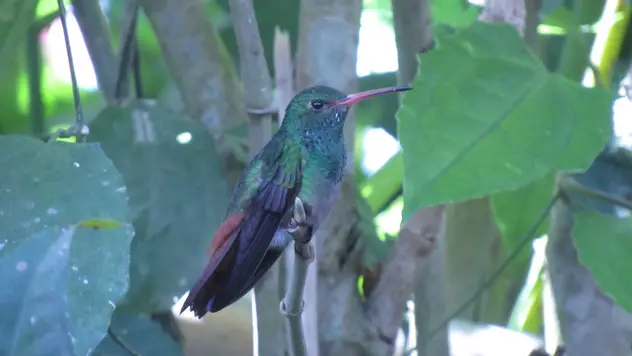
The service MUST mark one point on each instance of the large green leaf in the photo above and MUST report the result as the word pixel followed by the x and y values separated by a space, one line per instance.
pixel 140 334
pixel 178 196
pixel 456 13
pixel 604 246
pixel 61 282
pixel 486 116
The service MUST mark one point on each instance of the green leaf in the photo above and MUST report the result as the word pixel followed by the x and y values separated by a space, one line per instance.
pixel 604 246
pixel 61 280
pixel 487 117
pixel 456 13
pixel 139 333
pixel 518 211
pixel 178 196
pixel 15 18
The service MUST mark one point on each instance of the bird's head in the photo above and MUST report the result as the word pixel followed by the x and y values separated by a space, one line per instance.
pixel 321 108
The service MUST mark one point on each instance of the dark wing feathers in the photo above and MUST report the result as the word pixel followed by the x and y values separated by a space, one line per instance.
pixel 237 258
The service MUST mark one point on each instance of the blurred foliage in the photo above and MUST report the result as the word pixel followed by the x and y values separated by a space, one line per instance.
pixel 178 196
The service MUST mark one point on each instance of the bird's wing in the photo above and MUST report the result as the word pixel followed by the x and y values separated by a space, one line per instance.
pixel 265 194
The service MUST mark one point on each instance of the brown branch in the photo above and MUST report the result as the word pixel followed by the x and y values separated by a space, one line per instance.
pixel 417 239
pixel 258 97
pixel 202 69
pixel 413 35
pixel 98 41
pixel 327 55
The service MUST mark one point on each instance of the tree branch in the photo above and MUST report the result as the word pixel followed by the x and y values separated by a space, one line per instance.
pixel 202 70
pixel 98 41
pixel 413 35
pixel 341 322
pixel 387 302
pixel 418 236
pixel 292 304
pixel 258 97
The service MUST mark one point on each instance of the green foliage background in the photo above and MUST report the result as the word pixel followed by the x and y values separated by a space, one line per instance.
pixel 124 219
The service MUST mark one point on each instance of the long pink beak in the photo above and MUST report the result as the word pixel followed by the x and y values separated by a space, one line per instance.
pixel 354 98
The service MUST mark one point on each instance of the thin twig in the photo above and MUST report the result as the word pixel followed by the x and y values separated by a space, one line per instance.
pixel 79 130
pixel 138 82
pixel 99 43
pixel 119 341
pixel 127 48
pixel 34 63
pixel 570 185
pixel 257 85
pixel 293 303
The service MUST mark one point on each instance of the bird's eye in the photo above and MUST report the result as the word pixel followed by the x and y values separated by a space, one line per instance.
pixel 317 104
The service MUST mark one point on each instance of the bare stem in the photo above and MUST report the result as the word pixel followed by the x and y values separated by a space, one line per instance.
pixel 127 49
pixel 36 105
pixel 80 129
pixel 293 303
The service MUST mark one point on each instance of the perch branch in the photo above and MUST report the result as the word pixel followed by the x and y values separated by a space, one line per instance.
pixel 568 185
pixel 79 130
pixel 97 37
pixel 127 49
pixel 292 304
pixel 257 84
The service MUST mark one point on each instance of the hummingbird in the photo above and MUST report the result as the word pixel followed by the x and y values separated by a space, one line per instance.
pixel 304 159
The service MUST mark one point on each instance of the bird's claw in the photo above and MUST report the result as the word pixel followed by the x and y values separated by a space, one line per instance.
pixel 298 226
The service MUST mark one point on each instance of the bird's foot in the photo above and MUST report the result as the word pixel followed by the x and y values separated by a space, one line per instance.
pixel 298 227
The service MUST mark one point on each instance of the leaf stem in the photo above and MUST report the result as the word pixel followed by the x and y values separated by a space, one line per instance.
pixel 127 49
pixel 80 130
pixel 119 341
pixel 568 184
pixel 293 303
